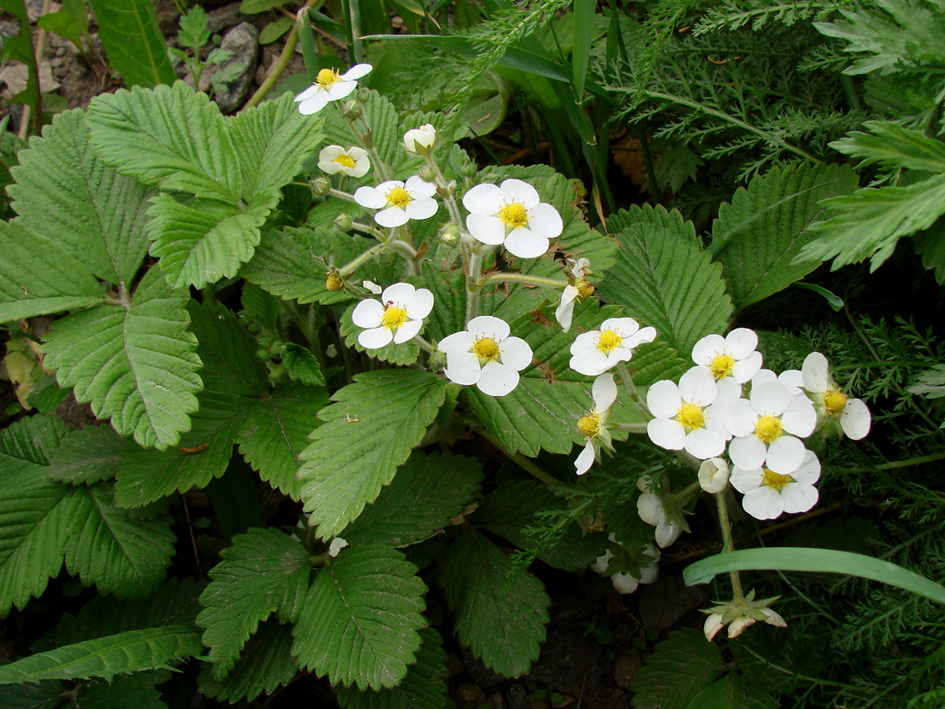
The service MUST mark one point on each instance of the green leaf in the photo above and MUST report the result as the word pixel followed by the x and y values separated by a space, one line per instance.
pixel 276 432
pixel 664 279
pixel 120 553
pixel 500 608
pixel 266 663
pixel 32 695
pixel 137 690
pixel 20 48
pixel 274 30
pixel 194 33
pixel 38 277
pixel 584 11
pixel 264 572
pixel 733 692
pixel 930 245
pixel 293 263
pixel 816 561
pixel 677 671
pixel 274 142
pixel 136 364
pixel 869 222
pixel 252 7
pixel 352 633
pixel 424 687
pixel 369 431
pixel 87 456
pixel 64 192
pixel 170 137
pixel 425 493
pixel 106 657
pixel 893 146
pixel 133 41
pixel 203 241
pixel 513 507
pixel 758 235
pixel 302 365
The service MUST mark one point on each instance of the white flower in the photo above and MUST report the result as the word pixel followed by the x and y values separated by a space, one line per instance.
pixel 625 582
pixel 739 615
pixel 792 379
pixel 596 351
pixel 330 86
pixel 685 417
pixel 713 475
pixel 420 141
pixel 513 215
pixel 578 289
pixel 591 426
pixel 832 403
pixel 767 427
pixel 396 318
pixel 398 201
pixel 731 361
pixel 651 510
pixel 352 162
pixel 768 494
pixel 484 354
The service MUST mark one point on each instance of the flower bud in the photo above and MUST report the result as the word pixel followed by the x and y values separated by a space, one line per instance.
pixel 427 174
pixel 468 169
pixel 449 234
pixel 321 186
pixel 334 282
pixel 343 222
pixel 352 109
pixel 420 141
pixel 364 94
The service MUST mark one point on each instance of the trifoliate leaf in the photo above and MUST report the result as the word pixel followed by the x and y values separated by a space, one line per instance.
pixel 677 671
pixel 266 663
pixel 203 241
pixel 106 657
pixel 368 432
pixel 355 634
pixel 424 687
pixel 293 263
pixel 512 508
pixel 276 430
pixel 87 456
pixel 426 491
pixel 37 276
pixel 274 142
pixel 757 236
pixel 664 279
pixel 264 572
pixel 64 192
pixel 172 136
pixel 501 609
pixel 403 354
pixel 136 363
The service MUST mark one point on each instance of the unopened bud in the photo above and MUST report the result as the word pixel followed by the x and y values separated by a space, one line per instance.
pixel 427 174
pixel 449 234
pixel 468 170
pixel 334 282
pixel 352 109
pixel 343 222
pixel 321 186
pixel 420 141
pixel 363 94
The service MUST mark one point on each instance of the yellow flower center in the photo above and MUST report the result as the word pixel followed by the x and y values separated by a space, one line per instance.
pixel 768 428
pixel 834 401
pixel 394 316
pixel 345 160
pixel 486 349
pixel 608 341
pixel 691 417
pixel 326 77
pixel 399 197
pixel 514 215
pixel 585 289
pixel 589 425
pixel 775 480
pixel 721 366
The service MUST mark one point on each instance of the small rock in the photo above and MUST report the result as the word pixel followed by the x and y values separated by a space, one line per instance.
pixel 496 701
pixel 16 75
pixel 626 665
pixel 224 17
pixel 241 41
pixel 517 697
pixel 34 9
pixel 469 696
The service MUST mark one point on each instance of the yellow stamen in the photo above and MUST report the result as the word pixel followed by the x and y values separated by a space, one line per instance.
pixel 326 77
pixel 345 160
pixel 399 197
pixel 775 480
pixel 768 428
pixel 721 366
pixel 514 215
pixel 486 349
pixel 585 289
pixel 691 417
pixel 589 425
pixel 394 317
pixel 608 341
pixel 834 401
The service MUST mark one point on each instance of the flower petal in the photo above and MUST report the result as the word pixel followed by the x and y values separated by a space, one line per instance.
pixel 374 338
pixel 422 208
pixel 370 197
pixel 314 103
pixel 391 217
pixel 667 433
pixel 525 243
pixel 457 343
pixel 518 191
pixel 515 353
pixel 747 452
pixel 419 188
pixel 407 331
pixel 585 460
pixel 815 373
pixel 855 419
pixel 741 342
pixel 356 72
pixel 483 199
pixel 486 228
pixel 707 348
pixel 702 443
pixel 785 455
pixel 763 503
pixel 462 368
pixel 604 392
pixel 545 219
pixel 367 313
pixel 564 313
pixel 663 399
pixel 420 304
pixel 489 326
pixel 798 498
pixel 497 379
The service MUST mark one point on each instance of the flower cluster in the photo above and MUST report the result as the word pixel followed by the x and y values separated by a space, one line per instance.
pixel 727 403
pixel 625 568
